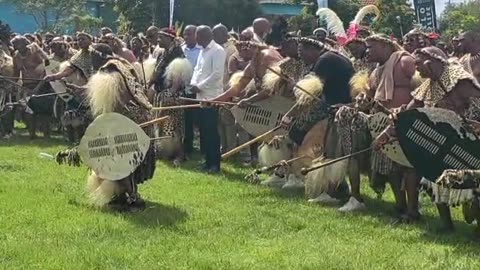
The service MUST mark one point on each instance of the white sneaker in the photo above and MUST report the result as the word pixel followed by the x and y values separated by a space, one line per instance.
pixel 352 205
pixel 274 182
pixel 325 199
pixel 293 183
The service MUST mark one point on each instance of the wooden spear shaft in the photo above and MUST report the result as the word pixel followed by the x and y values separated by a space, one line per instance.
pixel 247 144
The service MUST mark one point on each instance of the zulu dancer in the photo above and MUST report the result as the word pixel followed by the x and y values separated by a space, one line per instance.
pixel 335 71
pixel 273 84
pixel 357 47
pixel 80 62
pixel 5 35
pixel 61 51
pixel 293 68
pixel 29 61
pixel 329 81
pixel 172 73
pixel 415 39
pixel 470 43
pixel 76 70
pixel 448 86
pixel 260 57
pixel 7 95
pixel 390 84
pixel 116 88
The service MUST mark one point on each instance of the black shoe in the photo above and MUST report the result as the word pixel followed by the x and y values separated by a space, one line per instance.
pixel 210 169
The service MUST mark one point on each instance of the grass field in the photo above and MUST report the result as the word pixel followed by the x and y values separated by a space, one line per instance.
pixel 196 221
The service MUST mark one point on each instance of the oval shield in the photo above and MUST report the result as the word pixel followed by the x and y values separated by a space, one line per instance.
pixel 378 123
pixel 263 116
pixel 58 86
pixel 435 140
pixel 113 146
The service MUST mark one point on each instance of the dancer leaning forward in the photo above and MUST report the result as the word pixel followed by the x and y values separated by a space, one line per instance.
pixel 119 103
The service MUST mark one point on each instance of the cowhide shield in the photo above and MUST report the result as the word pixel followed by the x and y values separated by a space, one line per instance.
pixel 435 140
pixel 58 86
pixel 378 123
pixel 263 116
pixel 113 146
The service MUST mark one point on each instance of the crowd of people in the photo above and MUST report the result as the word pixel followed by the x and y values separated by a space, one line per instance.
pixel 335 79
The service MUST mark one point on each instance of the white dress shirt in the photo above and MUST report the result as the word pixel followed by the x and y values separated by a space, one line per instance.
pixel 209 71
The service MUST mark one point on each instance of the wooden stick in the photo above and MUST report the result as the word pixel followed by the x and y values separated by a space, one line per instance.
pixel 49 94
pixel 305 171
pixel 247 144
pixel 160 138
pixel 206 101
pixel 283 76
pixel 180 107
pixel 266 169
pixel 20 78
pixel 154 121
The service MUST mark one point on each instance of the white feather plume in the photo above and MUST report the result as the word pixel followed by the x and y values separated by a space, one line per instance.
pixel 103 92
pixel 334 24
pixel 318 181
pixel 148 68
pixel 366 10
pixel 180 68
pixel 100 191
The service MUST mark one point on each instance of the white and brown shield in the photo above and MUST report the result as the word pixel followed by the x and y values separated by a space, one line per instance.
pixel 378 123
pixel 113 146
pixel 263 116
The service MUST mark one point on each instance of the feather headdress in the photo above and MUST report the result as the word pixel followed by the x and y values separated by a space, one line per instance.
pixel 334 23
pixel 354 26
pixel 363 12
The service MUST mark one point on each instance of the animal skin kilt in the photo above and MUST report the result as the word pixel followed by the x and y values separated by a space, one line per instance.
pixel 307 119
pixel 174 125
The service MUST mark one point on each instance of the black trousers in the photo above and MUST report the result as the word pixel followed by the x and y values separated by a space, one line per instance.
pixel 209 137
pixel 190 118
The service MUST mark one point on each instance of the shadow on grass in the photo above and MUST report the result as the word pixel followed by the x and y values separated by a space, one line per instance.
pixel 157 215
pixel 464 236
pixel 24 140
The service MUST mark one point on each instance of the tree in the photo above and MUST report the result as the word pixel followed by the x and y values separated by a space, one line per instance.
pixel 50 14
pixel 137 15
pixel 457 18
pixel 307 21
pixel 397 17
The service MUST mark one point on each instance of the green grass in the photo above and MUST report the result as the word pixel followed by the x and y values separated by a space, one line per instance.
pixel 196 221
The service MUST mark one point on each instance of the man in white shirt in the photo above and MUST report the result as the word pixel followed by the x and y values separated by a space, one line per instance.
pixel 191 50
pixel 207 83
pixel 226 125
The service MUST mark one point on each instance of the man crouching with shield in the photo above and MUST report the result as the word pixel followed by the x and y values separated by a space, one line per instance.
pixel 116 88
pixel 449 87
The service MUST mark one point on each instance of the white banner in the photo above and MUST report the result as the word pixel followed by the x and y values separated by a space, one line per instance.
pixel 172 8
pixel 322 3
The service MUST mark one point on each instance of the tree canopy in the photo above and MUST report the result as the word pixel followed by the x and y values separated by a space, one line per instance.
pixel 457 18
pixel 397 17
pixel 137 15
pixel 57 15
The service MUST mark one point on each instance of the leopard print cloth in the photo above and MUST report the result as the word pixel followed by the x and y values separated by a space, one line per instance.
pixel 431 92
pixel 350 123
pixel 174 125
pixel 82 60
